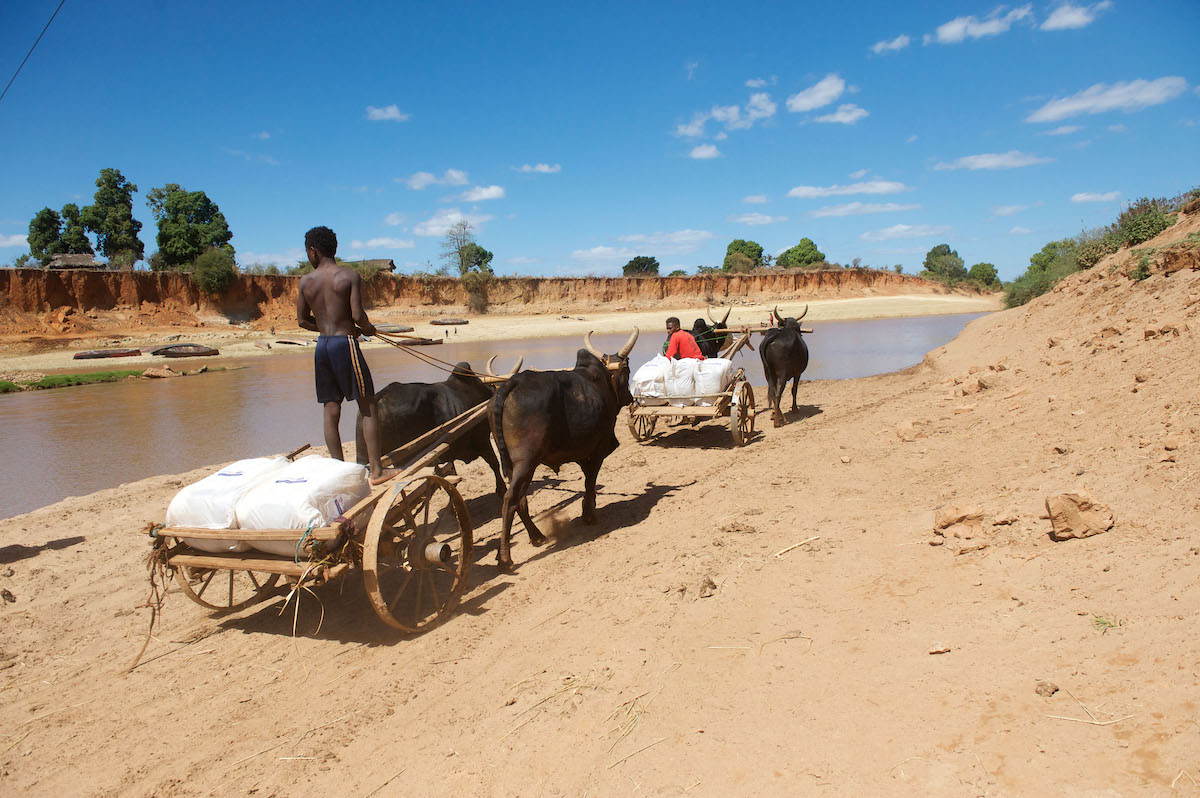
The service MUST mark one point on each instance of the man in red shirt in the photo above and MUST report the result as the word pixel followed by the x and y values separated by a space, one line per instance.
pixel 680 343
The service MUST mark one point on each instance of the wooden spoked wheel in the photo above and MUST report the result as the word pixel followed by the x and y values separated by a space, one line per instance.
pixel 224 591
pixel 741 413
pixel 642 427
pixel 417 553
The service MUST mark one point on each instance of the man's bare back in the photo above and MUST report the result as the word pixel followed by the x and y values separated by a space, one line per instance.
pixel 330 299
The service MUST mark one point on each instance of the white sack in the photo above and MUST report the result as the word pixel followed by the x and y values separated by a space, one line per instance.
pixel 648 382
pixel 310 492
pixel 711 377
pixel 681 381
pixel 209 503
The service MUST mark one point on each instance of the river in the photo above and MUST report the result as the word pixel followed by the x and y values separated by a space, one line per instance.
pixel 75 441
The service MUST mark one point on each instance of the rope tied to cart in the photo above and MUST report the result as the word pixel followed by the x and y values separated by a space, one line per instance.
pixel 159 575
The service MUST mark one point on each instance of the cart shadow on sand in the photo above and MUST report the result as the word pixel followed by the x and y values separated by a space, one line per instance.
pixel 341 611
pixel 19 551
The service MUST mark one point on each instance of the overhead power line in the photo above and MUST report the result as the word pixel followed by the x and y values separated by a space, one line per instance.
pixel 31 49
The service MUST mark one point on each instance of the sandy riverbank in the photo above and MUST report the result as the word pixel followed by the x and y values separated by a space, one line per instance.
pixel 238 344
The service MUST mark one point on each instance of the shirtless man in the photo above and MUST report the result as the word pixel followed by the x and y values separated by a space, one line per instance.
pixel 330 303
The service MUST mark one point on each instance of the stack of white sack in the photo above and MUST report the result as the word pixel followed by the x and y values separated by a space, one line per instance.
pixel 680 379
pixel 309 493
pixel 649 381
pixel 210 503
pixel 712 375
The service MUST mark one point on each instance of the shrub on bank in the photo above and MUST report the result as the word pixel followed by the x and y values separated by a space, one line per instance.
pixel 214 271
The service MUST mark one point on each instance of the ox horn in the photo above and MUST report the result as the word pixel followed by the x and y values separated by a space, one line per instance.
pixel 516 367
pixel 488 367
pixel 720 323
pixel 802 315
pixel 775 313
pixel 587 344
pixel 625 350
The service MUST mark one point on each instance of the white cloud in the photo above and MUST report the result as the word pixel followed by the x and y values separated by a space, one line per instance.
pixel 1069 17
pixel 692 129
pixel 820 94
pixel 679 242
pixel 444 219
pixel 17 240
pixel 394 219
pixel 704 152
pixel 262 135
pixel 603 256
pixel 1009 210
pixel 755 219
pixel 1063 130
pixel 721 136
pixel 481 193
pixel 759 106
pixel 755 199
pixel 690 67
pixel 868 187
pixel 962 28
pixel 1019 231
pixel 1117 129
pixel 859 208
pixel 521 260
pixel 388 113
pixel 891 46
pixel 904 231
pixel 755 83
pixel 859 175
pixel 911 139
pixel 1092 196
pixel 846 114
pixel 1013 159
pixel 420 180
pixel 384 243
pixel 1132 95
pixel 540 168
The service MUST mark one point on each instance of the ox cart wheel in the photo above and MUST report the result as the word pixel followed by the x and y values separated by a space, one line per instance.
pixel 224 591
pixel 642 427
pixel 741 413
pixel 417 553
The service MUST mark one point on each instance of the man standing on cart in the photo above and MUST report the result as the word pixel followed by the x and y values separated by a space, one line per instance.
pixel 329 302
pixel 680 343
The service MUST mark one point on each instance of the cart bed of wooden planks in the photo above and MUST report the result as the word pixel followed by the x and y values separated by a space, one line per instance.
pixel 411 538
pixel 735 402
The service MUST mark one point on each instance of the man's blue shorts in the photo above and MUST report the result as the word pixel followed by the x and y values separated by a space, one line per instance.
pixel 341 370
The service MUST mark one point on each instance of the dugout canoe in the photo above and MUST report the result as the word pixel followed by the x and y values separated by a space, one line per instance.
pixel 93 354
pixel 446 322
pixel 185 350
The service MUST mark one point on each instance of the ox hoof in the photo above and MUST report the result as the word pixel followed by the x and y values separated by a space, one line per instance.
pixel 505 566
pixel 590 520
pixel 537 539
pixel 778 421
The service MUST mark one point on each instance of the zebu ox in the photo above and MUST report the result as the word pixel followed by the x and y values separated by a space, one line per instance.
pixel 556 417
pixel 784 357
pixel 407 410
pixel 711 340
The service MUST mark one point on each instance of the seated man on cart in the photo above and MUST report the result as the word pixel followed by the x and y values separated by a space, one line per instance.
pixel 680 343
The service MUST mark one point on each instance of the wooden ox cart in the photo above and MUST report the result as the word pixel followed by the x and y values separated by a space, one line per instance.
pixel 735 402
pixel 411 539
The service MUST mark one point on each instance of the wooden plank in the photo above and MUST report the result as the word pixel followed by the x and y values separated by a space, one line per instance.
pixel 256 561
pixel 451 431
pixel 320 533
pixel 668 410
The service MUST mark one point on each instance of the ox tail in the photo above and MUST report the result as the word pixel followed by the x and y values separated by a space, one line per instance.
pixel 498 428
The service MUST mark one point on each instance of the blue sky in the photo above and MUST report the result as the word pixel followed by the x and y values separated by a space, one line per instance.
pixel 576 136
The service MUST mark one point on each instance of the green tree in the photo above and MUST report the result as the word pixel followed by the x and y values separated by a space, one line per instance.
pixel 737 263
pixel 110 216
pixel 898 268
pixel 189 224
pixel 45 235
pixel 801 255
pixel 476 258
pixel 944 264
pixel 1053 254
pixel 678 273
pixel 22 261
pixel 213 271
pixel 750 249
pixel 454 245
pixel 641 266
pixel 74 237
pixel 984 273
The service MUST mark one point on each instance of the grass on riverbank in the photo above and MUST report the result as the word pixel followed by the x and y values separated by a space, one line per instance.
pixel 69 380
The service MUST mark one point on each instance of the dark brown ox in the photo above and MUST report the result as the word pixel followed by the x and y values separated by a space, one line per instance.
pixel 556 417
pixel 784 357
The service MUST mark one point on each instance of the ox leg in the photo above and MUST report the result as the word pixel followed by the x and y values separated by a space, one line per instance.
pixel 515 502
pixel 535 535
pixel 591 470
pixel 795 385
pixel 775 397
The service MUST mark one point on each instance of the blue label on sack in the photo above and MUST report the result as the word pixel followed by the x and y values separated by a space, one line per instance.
pixel 231 473
pixel 293 481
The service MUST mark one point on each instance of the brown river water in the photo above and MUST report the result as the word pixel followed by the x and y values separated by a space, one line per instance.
pixel 75 441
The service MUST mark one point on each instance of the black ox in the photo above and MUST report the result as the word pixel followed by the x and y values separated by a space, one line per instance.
pixel 407 410
pixel 556 417
pixel 711 339
pixel 784 357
